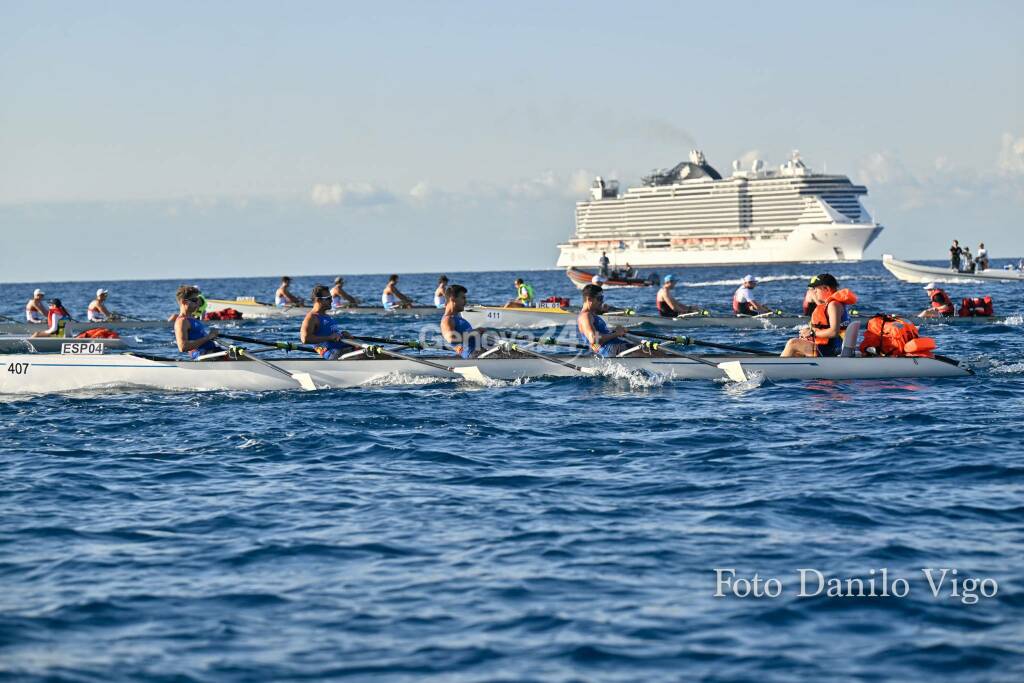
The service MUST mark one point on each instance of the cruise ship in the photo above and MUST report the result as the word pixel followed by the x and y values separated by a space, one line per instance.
pixel 691 215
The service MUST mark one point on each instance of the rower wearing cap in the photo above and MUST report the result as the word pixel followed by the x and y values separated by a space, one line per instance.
pixel 524 295
pixel 824 336
pixel 98 311
pixel 283 296
pixel 942 305
pixel 668 307
pixel 592 328
pixel 56 318
pixel 743 302
pixel 34 310
pixel 339 297
pixel 190 334
pixel 321 330
pixel 456 330
pixel 809 304
pixel 440 301
pixel 391 298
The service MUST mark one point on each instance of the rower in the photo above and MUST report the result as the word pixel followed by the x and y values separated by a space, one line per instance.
pixel 439 298
pixel 56 318
pixel 824 336
pixel 942 305
pixel 524 295
pixel 743 302
pixel 190 334
pixel 339 297
pixel 98 311
pixel 592 328
pixel 809 304
pixel 283 296
pixel 34 310
pixel 321 330
pixel 456 330
pixel 668 307
pixel 391 298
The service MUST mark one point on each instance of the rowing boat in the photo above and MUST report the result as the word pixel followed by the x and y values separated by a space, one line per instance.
pixel 541 318
pixel 40 374
pixel 21 344
pixel 73 328
pixel 249 307
pixel 913 272
pixel 582 278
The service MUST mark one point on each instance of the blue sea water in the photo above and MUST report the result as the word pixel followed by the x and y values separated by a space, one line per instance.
pixel 549 530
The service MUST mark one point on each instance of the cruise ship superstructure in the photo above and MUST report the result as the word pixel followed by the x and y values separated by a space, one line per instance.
pixel 691 215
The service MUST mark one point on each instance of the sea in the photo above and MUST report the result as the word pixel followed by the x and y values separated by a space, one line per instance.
pixel 612 528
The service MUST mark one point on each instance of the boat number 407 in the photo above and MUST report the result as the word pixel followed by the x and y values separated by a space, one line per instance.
pixel 18 368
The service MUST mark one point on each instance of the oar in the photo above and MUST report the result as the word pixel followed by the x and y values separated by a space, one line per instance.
pixel 284 346
pixel 304 379
pixel 471 373
pixel 10 320
pixel 690 341
pixel 512 346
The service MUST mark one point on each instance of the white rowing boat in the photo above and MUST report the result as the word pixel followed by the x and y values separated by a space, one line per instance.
pixel 250 308
pixel 913 272
pixel 21 344
pixel 40 374
pixel 73 328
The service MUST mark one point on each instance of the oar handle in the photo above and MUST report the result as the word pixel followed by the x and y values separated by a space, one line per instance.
pixel 284 346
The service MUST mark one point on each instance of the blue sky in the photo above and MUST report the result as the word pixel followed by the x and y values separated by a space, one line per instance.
pixel 199 139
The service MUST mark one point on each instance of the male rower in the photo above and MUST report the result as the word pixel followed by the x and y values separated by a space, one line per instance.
pixel 592 328
pixel 283 296
pixel 809 303
pixel 824 335
pixel 524 295
pixel 391 298
pixel 56 318
pixel 98 311
pixel 321 330
pixel 456 330
pixel 942 305
pixel 339 297
pixel 743 302
pixel 667 305
pixel 440 301
pixel 34 310
pixel 190 334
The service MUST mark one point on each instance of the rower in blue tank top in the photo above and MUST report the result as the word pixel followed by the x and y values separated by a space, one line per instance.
pixel 593 330
pixel 321 330
pixel 456 330
pixel 190 334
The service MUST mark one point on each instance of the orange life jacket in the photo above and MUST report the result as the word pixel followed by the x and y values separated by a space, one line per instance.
pixel 819 317
pixel 97 333
pixel 976 306
pixel 942 302
pixel 892 336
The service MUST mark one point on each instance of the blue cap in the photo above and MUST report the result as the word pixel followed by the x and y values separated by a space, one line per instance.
pixel 668 278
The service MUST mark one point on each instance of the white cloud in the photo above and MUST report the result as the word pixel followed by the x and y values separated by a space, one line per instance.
pixel 420 191
pixel 1011 155
pixel 748 158
pixel 355 194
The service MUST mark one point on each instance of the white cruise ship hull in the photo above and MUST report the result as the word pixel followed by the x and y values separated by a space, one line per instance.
pixel 808 242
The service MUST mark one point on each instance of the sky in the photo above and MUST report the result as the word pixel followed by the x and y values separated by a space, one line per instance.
pixel 197 139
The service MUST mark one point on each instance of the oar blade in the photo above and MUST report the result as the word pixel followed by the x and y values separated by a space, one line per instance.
pixel 733 369
pixel 473 373
pixel 305 380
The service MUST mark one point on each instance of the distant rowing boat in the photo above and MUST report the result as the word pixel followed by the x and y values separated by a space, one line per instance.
pixel 73 328
pixel 22 344
pixel 41 374
pixel 582 278
pixel 913 272
pixel 250 308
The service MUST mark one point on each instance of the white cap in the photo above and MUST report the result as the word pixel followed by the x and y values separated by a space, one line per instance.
pixel 598 280
pixel 930 285
pixel 751 279
pixel 100 292
pixel 38 292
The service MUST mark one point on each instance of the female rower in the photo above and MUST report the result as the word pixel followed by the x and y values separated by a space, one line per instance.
pixel 456 330
pixel 440 301
pixel 34 311
pixel 339 297
pixel 824 336
pixel 98 311
pixel 391 298
pixel 56 317
pixel 321 330
pixel 592 328
pixel 190 334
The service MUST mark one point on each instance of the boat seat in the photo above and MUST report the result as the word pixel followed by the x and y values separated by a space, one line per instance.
pixel 849 349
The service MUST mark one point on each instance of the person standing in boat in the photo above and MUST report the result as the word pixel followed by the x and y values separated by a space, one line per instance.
pixel 593 330
pixel 283 296
pixel 56 318
pixel 743 302
pixel 190 334
pixel 440 299
pixel 524 295
pixel 321 330
pixel 955 252
pixel 34 310
pixel 456 330
pixel 967 261
pixel 339 297
pixel 667 305
pixel 942 305
pixel 824 335
pixel 603 264
pixel 97 312
pixel 391 298
pixel 982 259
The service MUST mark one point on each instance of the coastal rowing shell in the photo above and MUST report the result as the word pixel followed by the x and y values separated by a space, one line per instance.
pixel 250 308
pixel 21 344
pixel 40 374
pixel 73 328
pixel 913 272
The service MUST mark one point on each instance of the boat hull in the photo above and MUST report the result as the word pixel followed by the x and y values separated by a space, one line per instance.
pixel 21 344
pixel 40 374
pixel 913 272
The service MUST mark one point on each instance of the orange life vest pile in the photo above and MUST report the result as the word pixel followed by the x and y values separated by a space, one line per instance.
pixel 976 306
pixel 888 335
pixel 560 301
pixel 98 333
pixel 223 314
